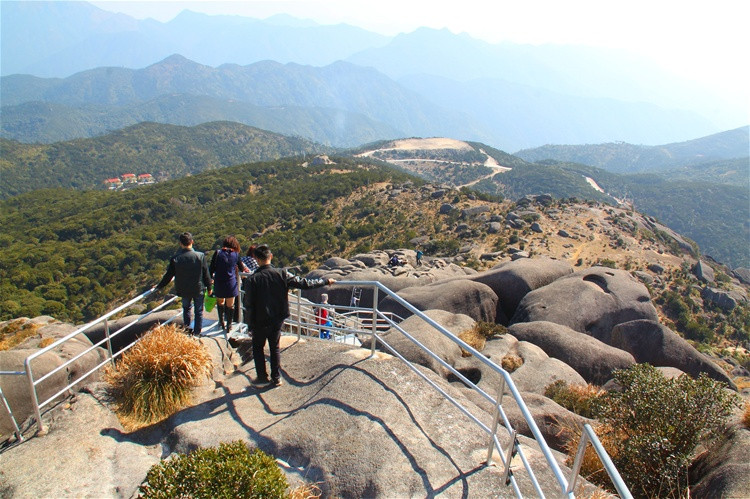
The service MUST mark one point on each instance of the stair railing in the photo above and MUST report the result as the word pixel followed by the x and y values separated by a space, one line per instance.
pixel 566 487
pixel 106 342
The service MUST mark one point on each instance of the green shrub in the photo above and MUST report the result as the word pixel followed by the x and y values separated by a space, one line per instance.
pixel 658 422
pixel 583 400
pixel 229 471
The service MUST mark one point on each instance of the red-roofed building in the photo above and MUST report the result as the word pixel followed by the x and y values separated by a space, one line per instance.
pixel 128 177
pixel 112 183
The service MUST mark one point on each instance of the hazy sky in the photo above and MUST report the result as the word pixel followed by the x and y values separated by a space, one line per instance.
pixel 707 41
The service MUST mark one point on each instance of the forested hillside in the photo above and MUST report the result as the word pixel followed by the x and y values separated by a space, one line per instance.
pixel 164 151
pixel 73 256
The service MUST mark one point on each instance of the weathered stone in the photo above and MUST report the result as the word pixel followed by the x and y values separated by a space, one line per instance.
pixel 494 227
pixel 743 274
pixel 589 301
pixel 458 296
pixel 649 341
pixel 704 272
pixel 593 360
pixel 563 233
pixel 726 300
pixel 446 208
pixel 536 227
pixel 511 281
pixel 724 469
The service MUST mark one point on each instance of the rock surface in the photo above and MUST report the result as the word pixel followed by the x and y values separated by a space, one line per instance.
pixel 358 426
pixel 651 342
pixel 590 301
pixel 591 358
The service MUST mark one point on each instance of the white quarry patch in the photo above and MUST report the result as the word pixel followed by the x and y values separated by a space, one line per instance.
pixel 593 184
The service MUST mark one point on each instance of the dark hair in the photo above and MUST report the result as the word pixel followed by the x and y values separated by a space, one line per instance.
pixel 251 251
pixel 186 239
pixel 232 243
pixel 263 252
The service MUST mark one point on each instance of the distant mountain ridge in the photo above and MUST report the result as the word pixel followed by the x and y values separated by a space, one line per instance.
pixel 629 158
pixel 339 86
pixel 508 95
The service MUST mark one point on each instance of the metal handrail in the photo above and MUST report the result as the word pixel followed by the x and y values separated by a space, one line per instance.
pixel 566 488
pixel 34 383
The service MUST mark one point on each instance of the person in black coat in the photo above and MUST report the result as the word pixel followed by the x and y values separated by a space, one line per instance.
pixel 266 304
pixel 191 279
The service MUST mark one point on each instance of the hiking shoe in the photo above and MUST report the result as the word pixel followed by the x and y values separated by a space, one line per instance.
pixel 260 381
pixel 276 382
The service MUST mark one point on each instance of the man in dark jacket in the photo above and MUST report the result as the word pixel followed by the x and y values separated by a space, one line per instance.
pixel 266 304
pixel 191 279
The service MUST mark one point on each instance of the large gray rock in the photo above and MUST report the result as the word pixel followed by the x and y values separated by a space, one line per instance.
pixel 427 273
pixel 723 471
pixel 536 373
pixel 649 341
pixel 16 388
pixel 511 281
pixel 428 336
pixel 726 300
pixel 591 358
pixel 458 296
pixel 590 301
pixel 85 454
pixel 743 274
pixel 129 335
pixel 704 272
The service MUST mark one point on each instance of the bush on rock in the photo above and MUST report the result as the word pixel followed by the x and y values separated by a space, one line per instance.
pixel 155 377
pixel 229 471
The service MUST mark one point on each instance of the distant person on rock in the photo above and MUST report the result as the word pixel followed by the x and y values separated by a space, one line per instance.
pixel 322 317
pixel 394 261
pixel 225 268
pixel 266 304
pixel 419 257
pixel 191 279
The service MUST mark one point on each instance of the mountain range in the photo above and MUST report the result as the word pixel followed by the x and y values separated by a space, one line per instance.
pixel 425 83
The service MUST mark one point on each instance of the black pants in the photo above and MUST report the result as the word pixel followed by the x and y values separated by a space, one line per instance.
pixel 272 334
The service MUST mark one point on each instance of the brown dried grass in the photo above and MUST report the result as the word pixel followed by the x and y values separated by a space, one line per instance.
pixel 306 491
pixel 154 379
pixel 511 362
pixel 746 415
pixel 15 332
pixel 592 468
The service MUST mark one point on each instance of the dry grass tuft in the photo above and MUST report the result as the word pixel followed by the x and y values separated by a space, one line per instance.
pixel 746 415
pixel 45 342
pixel 478 335
pixel 592 468
pixel 511 362
pixel 15 332
pixel 306 491
pixel 154 379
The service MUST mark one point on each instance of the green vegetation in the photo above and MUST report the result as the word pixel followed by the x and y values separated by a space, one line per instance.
pixel 73 254
pixel 229 471
pixel 583 400
pixel 154 379
pixel 650 427
pixel 680 301
pixel 164 151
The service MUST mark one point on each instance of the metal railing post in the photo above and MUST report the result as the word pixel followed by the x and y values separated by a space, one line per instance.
pixel 374 341
pixel 32 389
pixel 109 342
pixel 299 314
pixel 19 435
pixel 496 421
